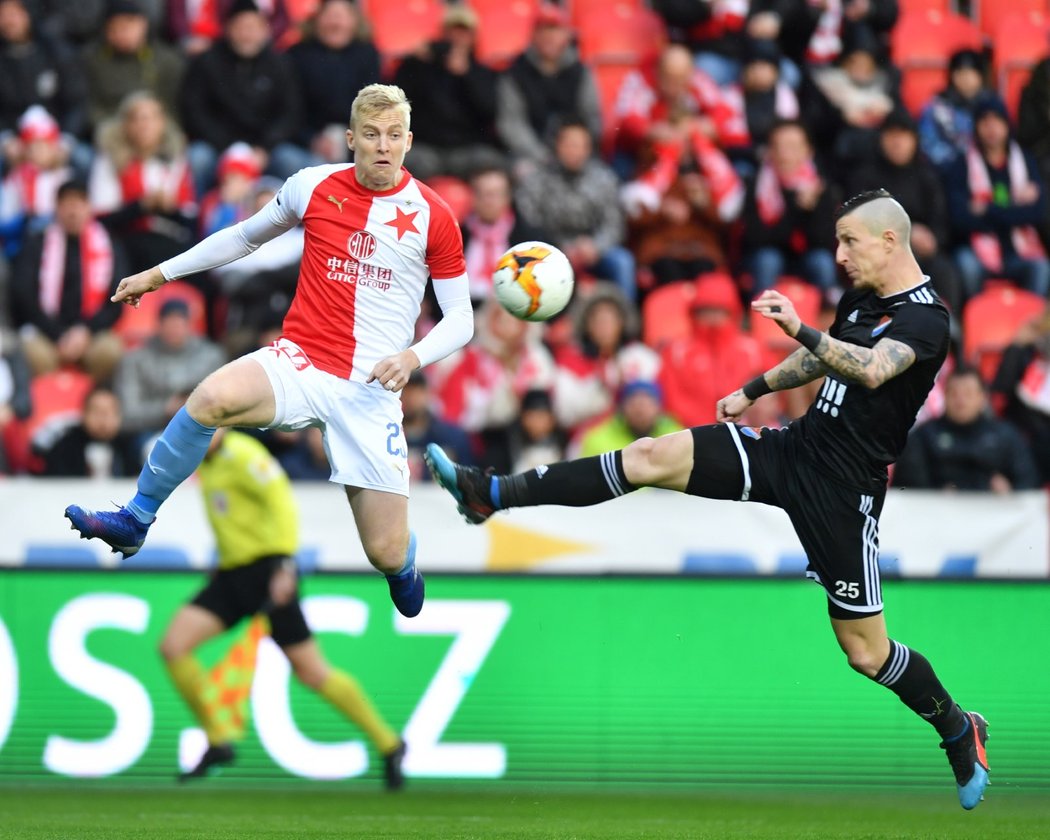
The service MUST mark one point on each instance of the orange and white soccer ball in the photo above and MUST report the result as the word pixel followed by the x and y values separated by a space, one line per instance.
pixel 533 281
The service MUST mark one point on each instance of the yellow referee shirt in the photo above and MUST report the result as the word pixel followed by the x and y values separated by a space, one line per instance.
pixel 249 502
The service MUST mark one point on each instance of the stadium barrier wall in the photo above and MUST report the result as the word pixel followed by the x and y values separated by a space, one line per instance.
pixel 525 679
pixel 923 534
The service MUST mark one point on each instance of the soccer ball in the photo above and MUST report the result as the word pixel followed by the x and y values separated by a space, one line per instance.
pixel 533 281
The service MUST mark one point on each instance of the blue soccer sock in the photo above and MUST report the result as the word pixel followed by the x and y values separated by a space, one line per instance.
pixel 176 454
pixel 410 559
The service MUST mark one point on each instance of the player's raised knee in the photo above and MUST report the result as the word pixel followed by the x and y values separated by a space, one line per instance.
pixel 658 462
pixel 385 552
pixel 207 404
pixel 864 661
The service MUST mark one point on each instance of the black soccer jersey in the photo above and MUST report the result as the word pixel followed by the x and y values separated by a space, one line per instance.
pixel 853 433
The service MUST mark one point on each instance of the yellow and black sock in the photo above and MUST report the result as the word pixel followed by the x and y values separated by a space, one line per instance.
pixel 345 693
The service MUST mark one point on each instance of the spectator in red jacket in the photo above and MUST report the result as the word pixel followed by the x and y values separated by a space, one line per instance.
pixel 672 100
pixel 698 370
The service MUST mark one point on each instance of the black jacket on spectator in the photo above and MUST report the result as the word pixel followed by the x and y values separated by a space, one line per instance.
pixel 226 98
pixel 942 454
pixel 998 220
pixel 330 79
pixel 25 290
pixel 68 459
pixel 42 72
pixel 919 190
pixel 916 186
pixel 810 228
pixel 449 110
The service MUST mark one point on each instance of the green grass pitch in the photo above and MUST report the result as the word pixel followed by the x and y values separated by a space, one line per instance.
pixel 467 812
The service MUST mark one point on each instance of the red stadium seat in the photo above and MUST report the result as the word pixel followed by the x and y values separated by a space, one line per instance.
pixel 807 301
pixel 665 313
pixel 457 194
pixel 504 30
pixel 910 6
pixel 620 32
pixel 991 320
pixel 402 28
pixel 1020 42
pixel 58 402
pixel 921 44
pixel 134 326
pixel 991 13
pixel 579 9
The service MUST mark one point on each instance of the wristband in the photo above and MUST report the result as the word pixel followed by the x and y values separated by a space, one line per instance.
pixel 808 337
pixel 756 388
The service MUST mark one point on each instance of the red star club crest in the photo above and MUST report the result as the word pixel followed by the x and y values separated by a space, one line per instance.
pixel 403 223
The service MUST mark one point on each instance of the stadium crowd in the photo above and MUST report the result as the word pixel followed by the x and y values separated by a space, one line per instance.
pixel 686 156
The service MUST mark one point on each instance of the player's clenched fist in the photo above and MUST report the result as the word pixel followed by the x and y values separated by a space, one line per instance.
pixel 779 308
pixel 730 408
pixel 131 289
pixel 393 371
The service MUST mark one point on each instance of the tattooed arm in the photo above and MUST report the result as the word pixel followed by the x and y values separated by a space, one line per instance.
pixel 800 368
pixel 797 369
pixel 868 366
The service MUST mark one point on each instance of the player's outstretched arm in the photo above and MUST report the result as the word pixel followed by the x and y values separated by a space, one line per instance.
pixel 131 289
pixel 800 368
pixel 868 366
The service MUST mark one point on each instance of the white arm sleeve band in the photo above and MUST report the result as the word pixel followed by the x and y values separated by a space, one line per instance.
pixel 232 243
pixel 456 326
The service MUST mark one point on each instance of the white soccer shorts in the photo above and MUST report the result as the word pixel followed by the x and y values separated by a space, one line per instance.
pixel 361 423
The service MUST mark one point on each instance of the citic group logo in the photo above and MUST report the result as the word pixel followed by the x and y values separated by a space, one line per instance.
pixel 361 245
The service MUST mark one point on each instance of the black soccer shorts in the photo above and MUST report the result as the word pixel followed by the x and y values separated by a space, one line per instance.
pixel 837 525
pixel 233 594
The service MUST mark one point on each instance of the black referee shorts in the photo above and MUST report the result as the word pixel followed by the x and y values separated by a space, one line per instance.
pixel 837 525
pixel 233 594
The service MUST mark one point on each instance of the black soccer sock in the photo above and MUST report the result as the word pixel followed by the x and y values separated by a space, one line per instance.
pixel 586 481
pixel 909 675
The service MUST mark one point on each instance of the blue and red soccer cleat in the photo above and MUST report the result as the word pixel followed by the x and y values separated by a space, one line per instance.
pixel 969 761
pixel 119 529
pixel 469 486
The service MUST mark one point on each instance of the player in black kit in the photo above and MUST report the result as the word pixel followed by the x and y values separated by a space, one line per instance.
pixel 827 470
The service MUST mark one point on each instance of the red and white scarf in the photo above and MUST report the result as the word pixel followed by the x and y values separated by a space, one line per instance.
pixel 486 245
pixel 142 177
pixel 769 188
pixel 825 43
pixel 1025 238
pixel 724 185
pixel 785 102
pixel 1034 388
pixel 96 268
pixel 726 16
pixel 202 18
pixel 33 190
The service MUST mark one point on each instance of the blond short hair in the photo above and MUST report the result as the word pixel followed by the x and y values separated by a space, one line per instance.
pixel 375 99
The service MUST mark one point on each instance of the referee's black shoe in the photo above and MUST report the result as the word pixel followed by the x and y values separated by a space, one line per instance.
pixel 214 757
pixel 469 486
pixel 969 760
pixel 393 778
